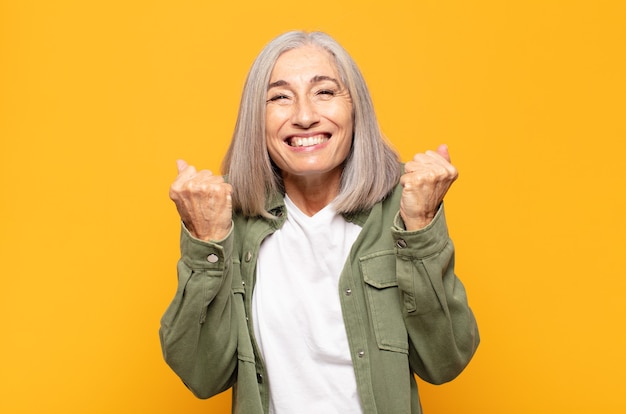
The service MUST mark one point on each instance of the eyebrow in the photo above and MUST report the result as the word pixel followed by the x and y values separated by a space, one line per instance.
pixel 314 79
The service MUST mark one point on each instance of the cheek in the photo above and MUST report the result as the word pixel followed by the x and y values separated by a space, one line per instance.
pixel 348 127
pixel 271 145
pixel 270 123
pixel 344 117
pixel 275 117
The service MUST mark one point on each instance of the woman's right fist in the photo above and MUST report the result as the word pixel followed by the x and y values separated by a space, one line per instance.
pixel 203 201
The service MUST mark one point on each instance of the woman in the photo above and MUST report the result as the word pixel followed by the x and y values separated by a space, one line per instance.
pixel 319 277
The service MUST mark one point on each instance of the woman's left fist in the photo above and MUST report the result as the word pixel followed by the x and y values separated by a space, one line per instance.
pixel 425 182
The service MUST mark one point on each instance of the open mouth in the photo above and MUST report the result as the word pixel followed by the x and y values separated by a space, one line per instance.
pixel 311 141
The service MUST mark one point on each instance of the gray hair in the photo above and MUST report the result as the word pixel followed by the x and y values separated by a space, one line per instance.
pixel 371 168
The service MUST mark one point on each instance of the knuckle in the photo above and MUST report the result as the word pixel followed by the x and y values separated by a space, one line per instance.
pixel 428 176
pixel 175 191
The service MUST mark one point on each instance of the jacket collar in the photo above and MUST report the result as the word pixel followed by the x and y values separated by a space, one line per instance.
pixel 275 206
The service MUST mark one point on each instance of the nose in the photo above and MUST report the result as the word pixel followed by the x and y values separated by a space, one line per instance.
pixel 304 114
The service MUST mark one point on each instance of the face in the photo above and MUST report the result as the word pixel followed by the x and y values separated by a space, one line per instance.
pixel 309 115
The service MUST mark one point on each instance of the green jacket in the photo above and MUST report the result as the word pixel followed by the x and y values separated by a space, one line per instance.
pixel 404 309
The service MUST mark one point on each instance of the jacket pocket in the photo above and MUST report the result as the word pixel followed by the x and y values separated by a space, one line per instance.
pixel 383 301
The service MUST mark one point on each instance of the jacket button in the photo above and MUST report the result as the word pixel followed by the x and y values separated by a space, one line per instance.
pixel 348 292
pixel 212 258
pixel 361 354
pixel 401 244
pixel 248 256
pixel 259 378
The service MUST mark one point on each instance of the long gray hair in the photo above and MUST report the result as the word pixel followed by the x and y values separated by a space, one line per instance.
pixel 371 168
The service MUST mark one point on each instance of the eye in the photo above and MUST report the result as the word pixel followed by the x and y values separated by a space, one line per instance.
pixel 325 94
pixel 277 97
pixel 328 92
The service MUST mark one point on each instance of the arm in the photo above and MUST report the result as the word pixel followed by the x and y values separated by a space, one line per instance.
pixel 198 330
pixel 441 327
pixel 442 330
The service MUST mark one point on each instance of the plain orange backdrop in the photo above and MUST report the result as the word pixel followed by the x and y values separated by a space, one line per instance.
pixel 99 98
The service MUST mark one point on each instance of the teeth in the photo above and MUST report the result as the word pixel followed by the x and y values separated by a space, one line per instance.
pixel 307 141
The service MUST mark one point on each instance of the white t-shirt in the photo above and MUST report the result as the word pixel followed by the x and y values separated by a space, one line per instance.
pixel 297 315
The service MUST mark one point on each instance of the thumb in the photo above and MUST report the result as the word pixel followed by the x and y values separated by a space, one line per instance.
pixel 181 164
pixel 443 151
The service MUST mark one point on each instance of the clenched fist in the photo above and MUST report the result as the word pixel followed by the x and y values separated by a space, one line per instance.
pixel 425 182
pixel 203 201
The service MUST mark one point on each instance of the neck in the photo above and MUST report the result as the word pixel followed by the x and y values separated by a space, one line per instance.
pixel 311 194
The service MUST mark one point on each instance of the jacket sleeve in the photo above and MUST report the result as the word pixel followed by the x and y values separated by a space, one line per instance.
pixel 198 330
pixel 442 330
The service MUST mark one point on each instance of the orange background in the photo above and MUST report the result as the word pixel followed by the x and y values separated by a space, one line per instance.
pixel 99 98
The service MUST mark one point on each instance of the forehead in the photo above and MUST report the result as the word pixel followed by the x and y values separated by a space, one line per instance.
pixel 308 60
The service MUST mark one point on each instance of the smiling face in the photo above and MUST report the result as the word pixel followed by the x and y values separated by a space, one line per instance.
pixel 308 116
